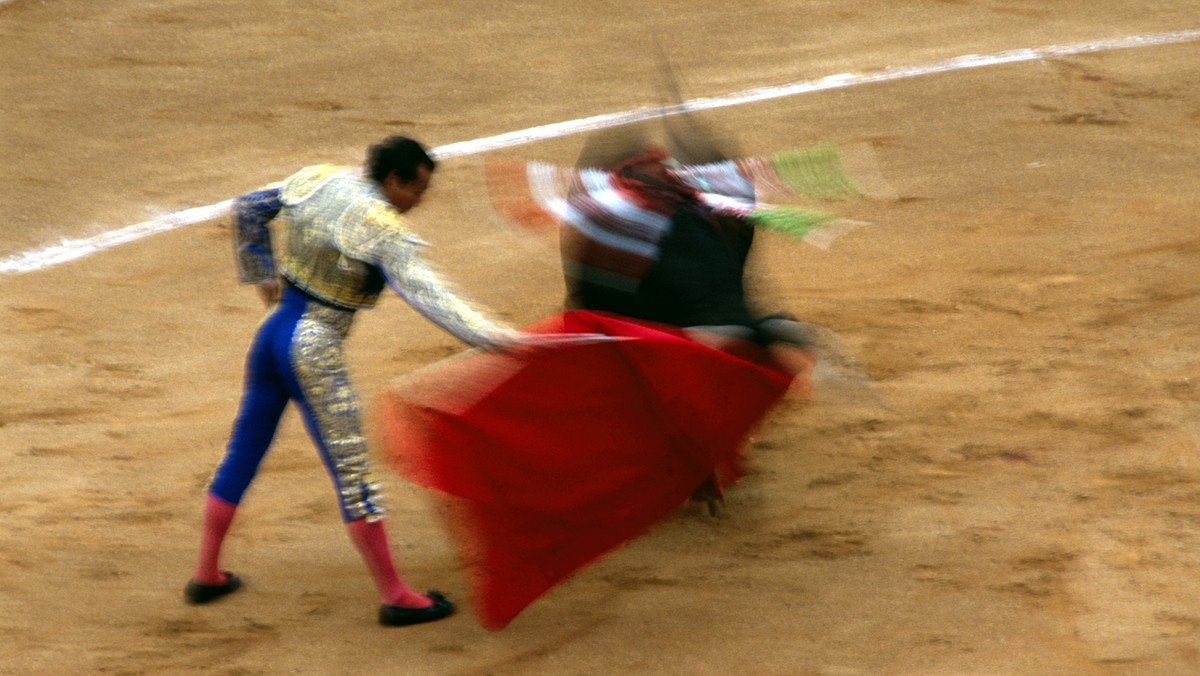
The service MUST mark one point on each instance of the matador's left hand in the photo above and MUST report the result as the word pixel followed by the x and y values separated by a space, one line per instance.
pixel 269 292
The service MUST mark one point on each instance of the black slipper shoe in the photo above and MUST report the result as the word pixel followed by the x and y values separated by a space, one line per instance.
pixel 197 593
pixel 398 616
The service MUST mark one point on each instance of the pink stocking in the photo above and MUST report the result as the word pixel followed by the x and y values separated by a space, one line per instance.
pixel 218 514
pixel 371 541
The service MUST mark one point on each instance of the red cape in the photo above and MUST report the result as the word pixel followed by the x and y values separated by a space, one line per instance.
pixel 548 461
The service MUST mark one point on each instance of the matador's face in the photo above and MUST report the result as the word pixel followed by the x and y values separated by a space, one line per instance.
pixel 405 195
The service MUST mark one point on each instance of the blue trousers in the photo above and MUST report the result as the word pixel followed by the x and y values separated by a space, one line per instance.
pixel 297 357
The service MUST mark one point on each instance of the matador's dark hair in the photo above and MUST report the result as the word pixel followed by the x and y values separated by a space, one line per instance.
pixel 400 155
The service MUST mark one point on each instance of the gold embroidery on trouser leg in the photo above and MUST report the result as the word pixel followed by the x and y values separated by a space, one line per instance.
pixel 320 366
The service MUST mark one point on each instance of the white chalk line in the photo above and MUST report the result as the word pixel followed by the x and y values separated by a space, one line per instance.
pixel 72 249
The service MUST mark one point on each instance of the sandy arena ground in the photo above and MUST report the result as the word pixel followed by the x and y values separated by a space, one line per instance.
pixel 1024 500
